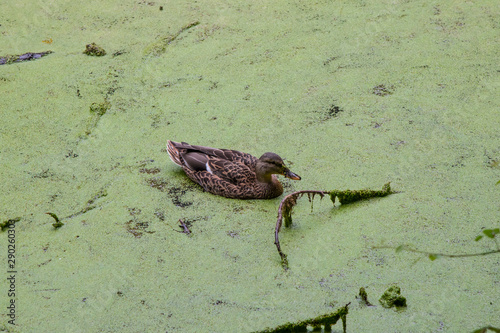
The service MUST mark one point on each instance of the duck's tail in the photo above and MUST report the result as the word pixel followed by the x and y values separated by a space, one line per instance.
pixel 174 153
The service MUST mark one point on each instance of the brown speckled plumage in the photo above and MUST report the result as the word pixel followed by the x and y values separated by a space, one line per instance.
pixel 230 173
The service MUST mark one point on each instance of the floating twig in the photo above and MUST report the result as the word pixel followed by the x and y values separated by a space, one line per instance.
pixel 10 59
pixel 57 224
pixel 184 226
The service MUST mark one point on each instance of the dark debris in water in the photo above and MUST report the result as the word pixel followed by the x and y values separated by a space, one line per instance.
pixel 382 90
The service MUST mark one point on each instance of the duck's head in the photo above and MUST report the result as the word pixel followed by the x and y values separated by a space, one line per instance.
pixel 269 164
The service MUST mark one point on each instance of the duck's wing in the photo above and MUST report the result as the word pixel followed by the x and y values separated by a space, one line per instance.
pixel 234 172
pixel 219 186
pixel 229 171
pixel 183 148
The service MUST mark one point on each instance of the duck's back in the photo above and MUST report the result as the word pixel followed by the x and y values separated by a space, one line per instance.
pixel 223 154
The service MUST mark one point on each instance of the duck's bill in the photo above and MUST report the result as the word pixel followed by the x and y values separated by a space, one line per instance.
pixel 291 175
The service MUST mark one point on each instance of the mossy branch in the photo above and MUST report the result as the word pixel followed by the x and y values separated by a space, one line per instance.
pixel 344 197
pixel 326 320
pixel 285 212
pixel 7 223
pixel 57 224
pixel 348 196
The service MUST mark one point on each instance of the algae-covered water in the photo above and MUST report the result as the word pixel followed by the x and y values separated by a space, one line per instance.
pixel 352 94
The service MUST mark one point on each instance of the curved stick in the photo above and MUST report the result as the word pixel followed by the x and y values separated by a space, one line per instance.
pixel 285 210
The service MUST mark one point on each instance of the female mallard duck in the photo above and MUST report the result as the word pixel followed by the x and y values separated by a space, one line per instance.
pixel 230 173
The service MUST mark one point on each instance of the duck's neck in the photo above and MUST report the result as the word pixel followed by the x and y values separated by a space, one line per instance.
pixel 261 174
pixel 265 178
pixel 274 188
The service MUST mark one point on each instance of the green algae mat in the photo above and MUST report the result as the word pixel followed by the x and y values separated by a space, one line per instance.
pixel 101 232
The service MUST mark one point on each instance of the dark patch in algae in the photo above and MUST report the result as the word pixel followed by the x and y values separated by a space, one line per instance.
pixel 94 50
pixel 135 226
pixel 176 194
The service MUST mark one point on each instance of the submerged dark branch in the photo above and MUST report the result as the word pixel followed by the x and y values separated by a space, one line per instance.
pixel 9 59
pixel 285 212
pixel 433 255
pixel 345 197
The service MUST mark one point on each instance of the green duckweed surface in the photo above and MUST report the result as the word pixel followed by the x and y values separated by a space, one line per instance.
pixel 352 94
